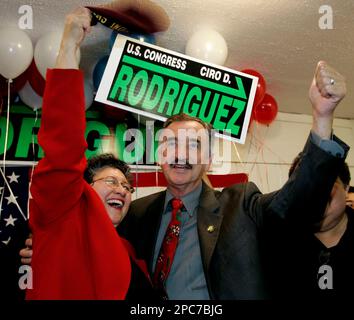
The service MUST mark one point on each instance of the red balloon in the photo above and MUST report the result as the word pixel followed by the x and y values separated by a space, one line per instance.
pixel 261 86
pixel 266 111
pixel 35 79
pixel 16 85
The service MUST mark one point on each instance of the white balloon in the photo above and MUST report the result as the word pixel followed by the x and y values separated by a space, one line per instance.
pixel 30 97
pixel 46 51
pixel 207 44
pixel 16 52
pixel 88 88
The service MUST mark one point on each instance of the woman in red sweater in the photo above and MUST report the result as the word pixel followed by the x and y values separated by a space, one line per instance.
pixel 77 253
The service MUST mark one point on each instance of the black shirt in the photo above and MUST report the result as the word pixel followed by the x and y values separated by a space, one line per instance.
pixel 294 259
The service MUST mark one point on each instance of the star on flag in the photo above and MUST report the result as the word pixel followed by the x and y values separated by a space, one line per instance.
pixel 13 177
pixel 10 221
pixel 14 184
pixel 11 199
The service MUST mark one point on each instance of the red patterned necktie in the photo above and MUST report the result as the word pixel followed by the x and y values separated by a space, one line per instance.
pixel 168 248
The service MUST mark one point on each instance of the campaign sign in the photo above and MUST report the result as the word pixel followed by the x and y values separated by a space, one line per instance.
pixel 157 83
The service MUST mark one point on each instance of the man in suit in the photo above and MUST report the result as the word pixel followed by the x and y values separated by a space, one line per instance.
pixel 219 253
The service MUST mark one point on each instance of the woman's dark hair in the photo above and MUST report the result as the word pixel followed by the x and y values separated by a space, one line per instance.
pixel 105 160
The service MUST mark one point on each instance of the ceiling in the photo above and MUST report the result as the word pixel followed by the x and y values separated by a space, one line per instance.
pixel 281 39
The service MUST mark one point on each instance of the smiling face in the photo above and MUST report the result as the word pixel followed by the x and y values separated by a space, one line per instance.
pixel 184 155
pixel 116 199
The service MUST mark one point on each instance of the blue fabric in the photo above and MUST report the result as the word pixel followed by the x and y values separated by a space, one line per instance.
pixel 330 146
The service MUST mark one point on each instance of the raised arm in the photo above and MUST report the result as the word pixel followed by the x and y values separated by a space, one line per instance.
pixel 57 183
pixel 304 196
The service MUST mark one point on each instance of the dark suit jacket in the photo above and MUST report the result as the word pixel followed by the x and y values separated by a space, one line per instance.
pixel 233 255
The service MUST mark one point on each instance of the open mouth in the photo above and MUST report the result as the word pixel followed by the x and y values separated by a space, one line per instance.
pixel 180 166
pixel 115 203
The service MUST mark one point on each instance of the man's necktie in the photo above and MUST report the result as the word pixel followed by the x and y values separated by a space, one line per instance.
pixel 168 248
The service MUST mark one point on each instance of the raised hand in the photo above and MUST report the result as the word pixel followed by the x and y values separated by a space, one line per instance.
pixel 328 88
pixel 77 26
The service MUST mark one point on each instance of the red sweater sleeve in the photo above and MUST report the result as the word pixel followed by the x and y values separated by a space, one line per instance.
pixel 57 182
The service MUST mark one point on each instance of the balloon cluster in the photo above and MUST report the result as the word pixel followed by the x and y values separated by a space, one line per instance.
pixel 27 66
pixel 265 108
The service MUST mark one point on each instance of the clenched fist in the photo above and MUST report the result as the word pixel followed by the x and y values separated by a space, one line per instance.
pixel 328 88
pixel 77 25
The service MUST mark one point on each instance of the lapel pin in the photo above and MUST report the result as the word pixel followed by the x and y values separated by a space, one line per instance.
pixel 211 229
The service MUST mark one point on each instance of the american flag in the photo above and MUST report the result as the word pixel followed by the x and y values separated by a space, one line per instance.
pixel 14 184
pixel 13 226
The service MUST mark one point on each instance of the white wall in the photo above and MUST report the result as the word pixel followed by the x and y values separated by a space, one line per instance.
pixel 269 150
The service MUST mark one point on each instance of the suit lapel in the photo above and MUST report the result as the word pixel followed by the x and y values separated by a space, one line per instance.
pixel 209 220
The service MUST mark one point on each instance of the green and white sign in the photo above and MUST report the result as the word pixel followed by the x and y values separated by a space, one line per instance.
pixel 157 83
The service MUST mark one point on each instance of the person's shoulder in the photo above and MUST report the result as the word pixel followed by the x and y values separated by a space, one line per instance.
pixel 147 200
pixel 247 192
pixel 241 188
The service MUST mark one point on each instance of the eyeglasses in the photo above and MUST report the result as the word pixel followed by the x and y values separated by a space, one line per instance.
pixel 113 182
